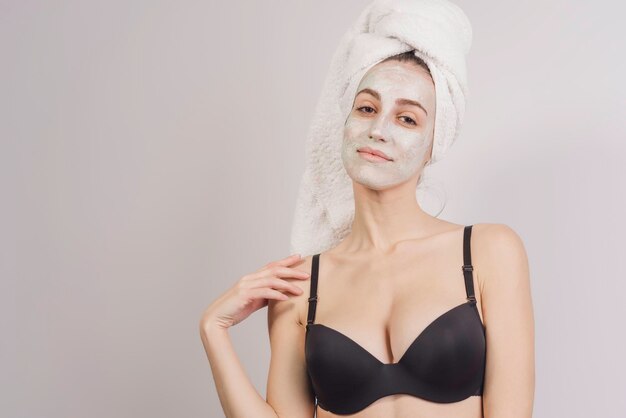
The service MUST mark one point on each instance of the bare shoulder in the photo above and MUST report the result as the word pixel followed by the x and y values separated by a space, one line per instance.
pixel 498 253
pixel 507 310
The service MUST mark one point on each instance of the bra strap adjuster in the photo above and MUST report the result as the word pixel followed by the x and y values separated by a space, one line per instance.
pixel 310 320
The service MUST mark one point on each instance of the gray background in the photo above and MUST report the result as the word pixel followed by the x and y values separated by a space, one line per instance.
pixel 150 156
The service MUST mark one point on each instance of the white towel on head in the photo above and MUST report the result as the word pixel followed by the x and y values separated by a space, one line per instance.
pixel 441 34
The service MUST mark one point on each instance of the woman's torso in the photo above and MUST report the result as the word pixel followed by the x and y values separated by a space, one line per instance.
pixel 382 302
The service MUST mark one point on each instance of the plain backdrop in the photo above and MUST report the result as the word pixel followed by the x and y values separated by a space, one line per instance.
pixel 150 156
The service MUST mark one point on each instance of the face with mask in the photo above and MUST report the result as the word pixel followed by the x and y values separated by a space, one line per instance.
pixel 393 114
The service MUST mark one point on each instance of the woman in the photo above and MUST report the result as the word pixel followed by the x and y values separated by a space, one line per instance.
pixel 374 325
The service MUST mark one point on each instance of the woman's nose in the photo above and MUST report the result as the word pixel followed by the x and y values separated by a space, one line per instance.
pixel 378 129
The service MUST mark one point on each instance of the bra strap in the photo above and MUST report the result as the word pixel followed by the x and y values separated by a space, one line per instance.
pixel 313 292
pixel 467 264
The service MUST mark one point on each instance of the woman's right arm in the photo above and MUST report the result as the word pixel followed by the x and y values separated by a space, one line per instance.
pixel 238 396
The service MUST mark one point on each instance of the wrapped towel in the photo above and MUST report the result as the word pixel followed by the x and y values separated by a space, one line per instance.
pixel 440 33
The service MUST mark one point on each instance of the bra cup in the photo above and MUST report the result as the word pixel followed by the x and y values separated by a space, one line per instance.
pixel 449 356
pixel 338 368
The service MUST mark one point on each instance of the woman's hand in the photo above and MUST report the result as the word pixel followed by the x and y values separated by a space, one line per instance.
pixel 252 292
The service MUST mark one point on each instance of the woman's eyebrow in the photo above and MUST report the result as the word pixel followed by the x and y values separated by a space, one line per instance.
pixel 411 102
pixel 398 101
pixel 370 92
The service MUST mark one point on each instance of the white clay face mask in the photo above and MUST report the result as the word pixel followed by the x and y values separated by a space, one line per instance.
pixel 401 131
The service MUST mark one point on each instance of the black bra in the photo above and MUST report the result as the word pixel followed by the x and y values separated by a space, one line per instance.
pixel 444 364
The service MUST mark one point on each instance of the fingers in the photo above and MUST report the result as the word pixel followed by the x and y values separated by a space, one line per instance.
pixel 288 272
pixel 273 275
pixel 278 272
pixel 275 283
pixel 267 293
pixel 287 261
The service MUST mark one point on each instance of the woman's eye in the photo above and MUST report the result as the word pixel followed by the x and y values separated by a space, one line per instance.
pixel 360 109
pixel 412 122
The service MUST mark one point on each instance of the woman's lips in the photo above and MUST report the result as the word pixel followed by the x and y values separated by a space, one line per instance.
pixel 372 157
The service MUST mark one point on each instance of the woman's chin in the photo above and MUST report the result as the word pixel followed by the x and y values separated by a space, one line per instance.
pixel 375 183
